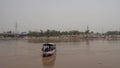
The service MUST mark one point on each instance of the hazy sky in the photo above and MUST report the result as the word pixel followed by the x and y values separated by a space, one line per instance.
pixel 99 15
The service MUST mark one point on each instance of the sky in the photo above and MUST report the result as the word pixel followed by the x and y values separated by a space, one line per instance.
pixel 63 15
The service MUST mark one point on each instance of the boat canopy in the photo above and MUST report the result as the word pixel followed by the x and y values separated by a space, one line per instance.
pixel 49 44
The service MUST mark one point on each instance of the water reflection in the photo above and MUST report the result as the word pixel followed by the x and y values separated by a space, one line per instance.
pixel 87 42
pixel 48 62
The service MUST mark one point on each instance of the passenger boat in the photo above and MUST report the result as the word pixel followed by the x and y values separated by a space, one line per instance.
pixel 48 49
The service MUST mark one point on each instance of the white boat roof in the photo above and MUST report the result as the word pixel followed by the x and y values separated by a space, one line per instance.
pixel 49 43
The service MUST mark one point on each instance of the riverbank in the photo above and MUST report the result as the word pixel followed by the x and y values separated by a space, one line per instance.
pixel 64 38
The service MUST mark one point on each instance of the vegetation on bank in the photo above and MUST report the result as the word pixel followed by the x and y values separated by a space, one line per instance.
pixel 113 33
pixel 56 33
pixel 72 32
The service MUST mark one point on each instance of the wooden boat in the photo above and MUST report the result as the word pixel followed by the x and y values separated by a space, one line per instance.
pixel 48 49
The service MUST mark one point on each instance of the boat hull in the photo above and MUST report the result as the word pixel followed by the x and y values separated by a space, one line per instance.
pixel 49 53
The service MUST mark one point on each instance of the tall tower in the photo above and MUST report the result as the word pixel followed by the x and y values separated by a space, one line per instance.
pixel 87 31
pixel 87 28
pixel 16 28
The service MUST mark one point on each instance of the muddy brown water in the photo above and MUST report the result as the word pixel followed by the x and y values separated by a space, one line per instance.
pixel 85 54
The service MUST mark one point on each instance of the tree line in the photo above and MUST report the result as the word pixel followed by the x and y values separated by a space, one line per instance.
pixel 59 33
pixel 113 33
pixel 55 33
pixel 72 32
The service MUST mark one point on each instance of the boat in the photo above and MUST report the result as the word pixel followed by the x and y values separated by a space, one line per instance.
pixel 48 49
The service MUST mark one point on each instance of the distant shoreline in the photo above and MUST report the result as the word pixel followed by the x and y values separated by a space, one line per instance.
pixel 64 38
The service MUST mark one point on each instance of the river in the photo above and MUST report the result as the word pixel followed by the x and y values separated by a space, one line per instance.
pixel 84 54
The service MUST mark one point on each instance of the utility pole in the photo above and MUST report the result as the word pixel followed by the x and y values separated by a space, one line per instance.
pixel 87 28
pixel 87 32
pixel 16 29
